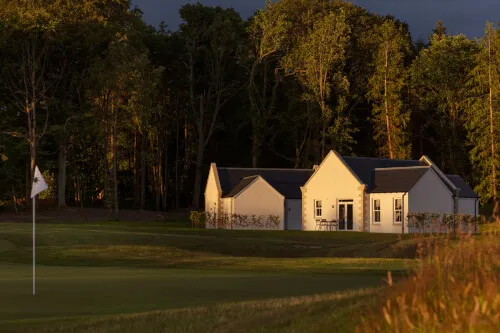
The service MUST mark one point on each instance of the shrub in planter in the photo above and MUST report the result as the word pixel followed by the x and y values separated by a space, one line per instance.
pixel 197 219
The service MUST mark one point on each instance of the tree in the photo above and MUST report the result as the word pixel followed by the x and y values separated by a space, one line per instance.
pixel 212 37
pixel 484 117
pixel 439 75
pixel 267 36
pixel 386 91
pixel 319 59
pixel 440 30
pixel 28 77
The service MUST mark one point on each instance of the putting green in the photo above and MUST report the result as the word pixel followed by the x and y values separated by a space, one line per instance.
pixel 97 291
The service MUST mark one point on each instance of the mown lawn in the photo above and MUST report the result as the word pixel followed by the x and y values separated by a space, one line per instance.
pixel 138 277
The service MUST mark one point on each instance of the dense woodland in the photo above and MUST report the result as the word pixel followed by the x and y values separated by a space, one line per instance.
pixel 120 114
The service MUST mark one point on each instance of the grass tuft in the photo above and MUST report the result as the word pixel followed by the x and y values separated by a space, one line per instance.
pixel 455 288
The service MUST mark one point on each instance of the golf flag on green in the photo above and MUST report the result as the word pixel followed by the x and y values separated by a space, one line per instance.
pixel 38 186
pixel 39 183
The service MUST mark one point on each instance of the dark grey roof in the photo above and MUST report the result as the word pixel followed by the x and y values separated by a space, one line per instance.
pixel 363 166
pixel 391 180
pixel 241 185
pixel 465 190
pixel 285 181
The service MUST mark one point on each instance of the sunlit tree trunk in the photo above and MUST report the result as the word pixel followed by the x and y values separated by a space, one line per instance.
pixel 386 104
pixel 496 204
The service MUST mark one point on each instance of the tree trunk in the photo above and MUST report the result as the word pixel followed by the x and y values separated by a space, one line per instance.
pixel 137 172
pixel 255 149
pixel 107 189
pixel 323 138
pixel 443 165
pixel 115 171
pixel 199 165
pixel 31 113
pixel 159 177
pixel 386 105
pixel 165 177
pixel 143 171
pixel 61 176
pixel 177 164
pixel 199 157
pixel 496 204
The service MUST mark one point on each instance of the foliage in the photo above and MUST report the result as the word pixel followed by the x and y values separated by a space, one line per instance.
pixel 387 86
pixel 454 289
pixel 419 223
pixel 127 115
pixel 438 76
pixel 201 219
pixel 484 136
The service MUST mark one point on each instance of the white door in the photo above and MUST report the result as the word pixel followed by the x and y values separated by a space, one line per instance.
pixel 293 214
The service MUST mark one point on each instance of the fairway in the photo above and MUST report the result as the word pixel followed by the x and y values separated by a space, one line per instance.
pixel 95 271
pixel 87 291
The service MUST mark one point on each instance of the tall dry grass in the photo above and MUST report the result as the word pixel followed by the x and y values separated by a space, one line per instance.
pixel 454 289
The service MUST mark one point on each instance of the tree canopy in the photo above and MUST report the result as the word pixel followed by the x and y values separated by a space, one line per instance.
pixel 120 114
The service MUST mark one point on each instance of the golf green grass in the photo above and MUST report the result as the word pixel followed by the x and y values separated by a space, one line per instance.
pixel 89 291
pixel 97 274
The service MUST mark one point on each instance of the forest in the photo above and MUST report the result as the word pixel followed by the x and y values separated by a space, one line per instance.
pixel 120 114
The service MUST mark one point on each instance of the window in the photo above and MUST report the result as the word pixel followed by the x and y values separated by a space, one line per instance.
pixel 376 211
pixel 318 210
pixel 398 210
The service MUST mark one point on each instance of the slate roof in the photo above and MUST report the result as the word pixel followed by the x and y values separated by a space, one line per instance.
pixel 243 184
pixel 285 181
pixel 392 180
pixel 465 190
pixel 363 167
pixel 379 174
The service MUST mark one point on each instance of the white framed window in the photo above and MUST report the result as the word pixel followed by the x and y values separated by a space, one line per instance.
pixel 376 211
pixel 318 208
pixel 398 210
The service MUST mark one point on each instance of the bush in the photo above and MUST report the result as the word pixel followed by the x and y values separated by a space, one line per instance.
pixel 454 289
pixel 419 223
pixel 200 219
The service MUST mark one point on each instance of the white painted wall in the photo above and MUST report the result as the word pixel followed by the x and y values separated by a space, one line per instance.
pixel 387 224
pixel 260 199
pixel 293 214
pixel 468 206
pixel 212 195
pixel 331 182
pixel 226 206
pixel 430 195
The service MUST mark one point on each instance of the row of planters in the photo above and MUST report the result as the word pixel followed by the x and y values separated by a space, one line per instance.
pixel 442 223
pixel 202 220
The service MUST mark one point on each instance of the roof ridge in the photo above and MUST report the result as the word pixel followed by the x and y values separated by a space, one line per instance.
pixel 252 176
pixel 405 167
pixel 266 169
pixel 380 158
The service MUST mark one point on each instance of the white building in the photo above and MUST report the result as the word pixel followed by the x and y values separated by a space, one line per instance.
pixel 360 194
pixel 259 192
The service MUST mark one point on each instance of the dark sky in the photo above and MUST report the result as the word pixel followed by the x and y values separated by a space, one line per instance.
pixel 460 16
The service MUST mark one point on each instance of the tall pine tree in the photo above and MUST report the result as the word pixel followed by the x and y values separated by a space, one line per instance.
pixel 484 117
pixel 386 89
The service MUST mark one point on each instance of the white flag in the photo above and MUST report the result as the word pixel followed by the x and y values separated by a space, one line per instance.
pixel 39 183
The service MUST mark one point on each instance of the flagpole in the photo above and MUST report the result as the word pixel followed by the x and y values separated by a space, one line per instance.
pixel 34 245
pixel 38 186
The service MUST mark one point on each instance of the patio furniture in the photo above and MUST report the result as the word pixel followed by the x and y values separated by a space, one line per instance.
pixel 332 225
pixel 325 225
